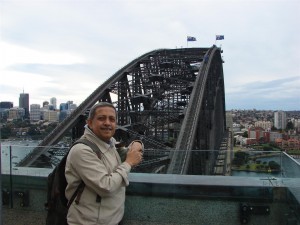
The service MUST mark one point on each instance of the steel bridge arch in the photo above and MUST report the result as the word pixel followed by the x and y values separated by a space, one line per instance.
pixel 172 99
pixel 204 124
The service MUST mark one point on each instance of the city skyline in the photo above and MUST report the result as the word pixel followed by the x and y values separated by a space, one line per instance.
pixel 59 102
pixel 69 55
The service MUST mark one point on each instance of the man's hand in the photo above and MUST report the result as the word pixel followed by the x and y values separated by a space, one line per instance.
pixel 135 153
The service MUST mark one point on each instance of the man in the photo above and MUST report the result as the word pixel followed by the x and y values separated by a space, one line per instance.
pixel 105 176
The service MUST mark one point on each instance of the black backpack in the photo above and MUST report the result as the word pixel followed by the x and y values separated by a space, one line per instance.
pixel 57 204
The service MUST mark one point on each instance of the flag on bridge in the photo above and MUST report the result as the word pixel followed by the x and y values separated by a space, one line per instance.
pixel 219 37
pixel 189 38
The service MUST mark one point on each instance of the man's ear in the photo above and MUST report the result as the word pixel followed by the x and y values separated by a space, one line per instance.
pixel 89 122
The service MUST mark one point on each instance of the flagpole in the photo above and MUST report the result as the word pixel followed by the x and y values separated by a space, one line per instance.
pixel 189 38
pixel 187 42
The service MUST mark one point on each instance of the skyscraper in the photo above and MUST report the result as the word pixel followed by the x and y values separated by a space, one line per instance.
pixel 53 102
pixel 24 103
pixel 280 119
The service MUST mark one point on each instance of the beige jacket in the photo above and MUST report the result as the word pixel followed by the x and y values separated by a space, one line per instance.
pixel 106 177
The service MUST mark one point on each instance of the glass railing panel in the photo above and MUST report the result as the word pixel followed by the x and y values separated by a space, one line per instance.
pixel 290 166
pixel 14 151
pixel 247 163
pixel 252 180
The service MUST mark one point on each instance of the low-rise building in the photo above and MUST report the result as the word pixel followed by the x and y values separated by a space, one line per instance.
pixel 16 113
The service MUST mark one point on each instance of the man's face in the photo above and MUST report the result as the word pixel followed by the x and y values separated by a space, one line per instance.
pixel 104 123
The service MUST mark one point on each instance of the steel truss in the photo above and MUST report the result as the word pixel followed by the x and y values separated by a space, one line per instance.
pixel 172 99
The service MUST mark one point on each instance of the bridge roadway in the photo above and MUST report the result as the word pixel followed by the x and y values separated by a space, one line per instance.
pixel 225 156
pixel 172 99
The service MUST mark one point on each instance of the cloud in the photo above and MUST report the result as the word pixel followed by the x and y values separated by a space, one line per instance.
pixel 13 54
pixel 66 49
pixel 273 94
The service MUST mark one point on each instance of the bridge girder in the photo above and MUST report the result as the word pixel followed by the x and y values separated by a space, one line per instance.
pixel 155 95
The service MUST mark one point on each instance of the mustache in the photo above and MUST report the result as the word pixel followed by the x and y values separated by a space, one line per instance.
pixel 106 127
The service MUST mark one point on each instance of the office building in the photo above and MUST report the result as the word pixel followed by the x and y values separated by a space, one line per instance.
pixel 45 103
pixel 63 106
pixel 51 116
pixel 4 108
pixel 16 113
pixel 24 103
pixel 35 112
pixel 6 105
pixel 266 125
pixel 53 102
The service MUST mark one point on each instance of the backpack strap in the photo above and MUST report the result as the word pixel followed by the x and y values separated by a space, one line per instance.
pixel 92 145
pixel 76 194
pixel 80 188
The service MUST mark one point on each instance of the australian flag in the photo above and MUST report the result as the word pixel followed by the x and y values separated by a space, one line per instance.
pixel 219 37
pixel 189 38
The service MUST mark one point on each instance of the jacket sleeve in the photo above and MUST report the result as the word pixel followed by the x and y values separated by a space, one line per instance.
pixel 95 173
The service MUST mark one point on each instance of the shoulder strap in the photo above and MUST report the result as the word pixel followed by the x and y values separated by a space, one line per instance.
pixel 89 143
pixel 80 188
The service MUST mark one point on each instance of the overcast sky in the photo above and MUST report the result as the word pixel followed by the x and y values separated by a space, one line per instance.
pixel 67 48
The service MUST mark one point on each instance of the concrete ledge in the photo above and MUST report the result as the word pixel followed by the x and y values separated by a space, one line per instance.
pixel 177 199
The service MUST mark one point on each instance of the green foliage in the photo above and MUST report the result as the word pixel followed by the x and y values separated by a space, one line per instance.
pixel 33 131
pixel 50 128
pixel 266 167
pixel 21 123
pixel 274 165
pixel 293 152
pixel 5 132
pixel 267 148
pixel 289 125
pixel 273 144
pixel 240 158
pixel 273 128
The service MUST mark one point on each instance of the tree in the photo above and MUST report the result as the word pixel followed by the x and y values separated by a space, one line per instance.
pixel 267 148
pixel 262 140
pixel 240 158
pixel 289 126
pixel 274 165
pixel 33 131
pixel 273 128
pixel 245 134
pixel 5 132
